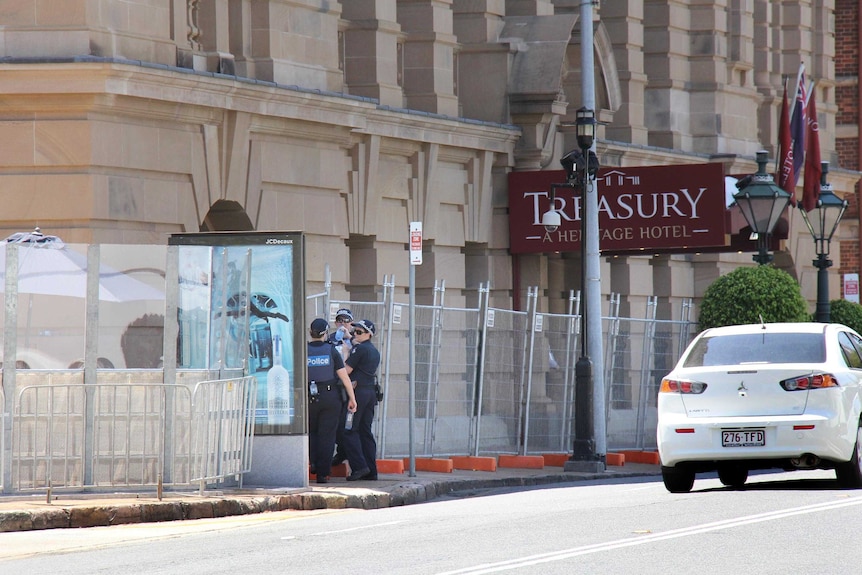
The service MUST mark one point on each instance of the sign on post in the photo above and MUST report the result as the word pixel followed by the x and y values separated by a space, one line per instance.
pixel 851 287
pixel 415 243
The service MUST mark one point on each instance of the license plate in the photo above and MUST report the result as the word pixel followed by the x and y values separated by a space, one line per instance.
pixel 743 438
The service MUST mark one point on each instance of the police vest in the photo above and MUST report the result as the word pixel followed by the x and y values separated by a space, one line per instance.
pixel 321 368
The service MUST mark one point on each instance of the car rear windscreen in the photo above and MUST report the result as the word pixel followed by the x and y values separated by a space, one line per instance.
pixel 757 348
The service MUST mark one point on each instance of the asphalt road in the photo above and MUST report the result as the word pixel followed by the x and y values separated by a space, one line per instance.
pixel 788 523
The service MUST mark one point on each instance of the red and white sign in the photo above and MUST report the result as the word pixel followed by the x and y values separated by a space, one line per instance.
pixel 654 208
pixel 415 243
pixel 851 287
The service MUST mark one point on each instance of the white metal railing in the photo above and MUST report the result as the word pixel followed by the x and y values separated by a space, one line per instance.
pixel 75 436
pixel 3 450
pixel 223 429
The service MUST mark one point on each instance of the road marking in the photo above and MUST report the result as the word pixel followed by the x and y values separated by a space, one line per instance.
pixel 644 539
pixel 361 527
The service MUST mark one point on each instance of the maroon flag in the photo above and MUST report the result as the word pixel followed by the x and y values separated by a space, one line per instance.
pixel 785 170
pixel 798 126
pixel 811 185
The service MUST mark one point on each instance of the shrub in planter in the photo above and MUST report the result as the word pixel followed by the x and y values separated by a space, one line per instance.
pixel 748 294
pixel 847 313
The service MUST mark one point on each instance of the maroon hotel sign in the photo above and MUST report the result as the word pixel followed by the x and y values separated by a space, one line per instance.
pixel 656 208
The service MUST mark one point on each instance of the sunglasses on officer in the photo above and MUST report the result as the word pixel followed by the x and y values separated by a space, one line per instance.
pixel 359 331
pixel 342 319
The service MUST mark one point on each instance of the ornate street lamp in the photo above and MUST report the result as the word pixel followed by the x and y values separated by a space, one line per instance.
pixel 583 169
pixel 822 222
pixel 761 202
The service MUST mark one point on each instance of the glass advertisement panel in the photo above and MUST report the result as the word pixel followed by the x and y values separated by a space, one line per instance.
pixel 240 306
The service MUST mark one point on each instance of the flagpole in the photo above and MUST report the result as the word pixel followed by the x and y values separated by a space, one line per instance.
pixel 810 91
pixel 778 155
pixel 796 90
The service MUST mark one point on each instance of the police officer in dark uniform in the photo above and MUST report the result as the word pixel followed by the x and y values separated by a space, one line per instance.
pixel 326 375
pixel 341 338
pixel 362 367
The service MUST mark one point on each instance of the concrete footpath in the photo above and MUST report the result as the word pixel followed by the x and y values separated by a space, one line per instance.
pixel 32 512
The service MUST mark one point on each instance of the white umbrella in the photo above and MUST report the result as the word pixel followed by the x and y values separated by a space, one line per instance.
pixel 46 266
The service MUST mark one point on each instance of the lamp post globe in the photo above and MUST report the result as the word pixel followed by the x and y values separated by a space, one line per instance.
pixel 822 222
pixel 585 128
pixel 761 202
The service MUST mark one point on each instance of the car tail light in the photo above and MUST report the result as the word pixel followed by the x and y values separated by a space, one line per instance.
pixel 681 386
pixel 813 381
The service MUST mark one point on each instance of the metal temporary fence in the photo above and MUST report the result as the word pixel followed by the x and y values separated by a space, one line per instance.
pixel 76 436
pixel 492 381
pixel 222 430
pixel 638 353
pixel 446 352
pixel 3 421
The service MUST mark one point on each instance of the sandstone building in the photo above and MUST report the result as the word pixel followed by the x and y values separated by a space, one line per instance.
pixel 124 121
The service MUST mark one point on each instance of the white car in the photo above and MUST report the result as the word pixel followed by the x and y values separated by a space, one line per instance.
pixel 775 395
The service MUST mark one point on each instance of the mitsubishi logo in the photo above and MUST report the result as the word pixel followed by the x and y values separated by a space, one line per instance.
pixel 743 391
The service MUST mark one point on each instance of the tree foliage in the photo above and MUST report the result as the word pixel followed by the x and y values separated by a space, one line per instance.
pixel 847 313
pixel 748 294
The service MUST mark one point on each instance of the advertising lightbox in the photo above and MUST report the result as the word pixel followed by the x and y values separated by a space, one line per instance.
pixel 240 309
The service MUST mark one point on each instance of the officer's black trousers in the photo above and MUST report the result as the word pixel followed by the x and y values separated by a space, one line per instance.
pixel 323 419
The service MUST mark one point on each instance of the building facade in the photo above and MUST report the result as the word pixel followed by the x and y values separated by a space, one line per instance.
pixel 847 124
pixel 125 121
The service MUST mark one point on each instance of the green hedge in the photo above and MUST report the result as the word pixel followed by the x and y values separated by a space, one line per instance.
pixel 747 294
pixel 847 313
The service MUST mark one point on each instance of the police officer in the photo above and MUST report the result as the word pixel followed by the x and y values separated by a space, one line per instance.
pixel 362 367
pixel 341 339
pixel 326 374
pixel 341 335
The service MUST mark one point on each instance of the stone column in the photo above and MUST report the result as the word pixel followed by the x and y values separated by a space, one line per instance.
pixel 632 278
pixel 365 274
pixel 624 22
pixel 292 43
pixel 372 51
pixel 483 63
pixel 477 270
pixel 430 49
pixel 719 58
pixel 214 21
pixel 666 51
pixel 673 281
pixel 529 8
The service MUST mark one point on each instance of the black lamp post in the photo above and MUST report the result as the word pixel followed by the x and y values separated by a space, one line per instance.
pixel 581 166
pixel 584 448
pixel 762 202
pixel 822 222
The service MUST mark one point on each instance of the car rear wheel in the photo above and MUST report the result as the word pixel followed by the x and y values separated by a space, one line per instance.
pixel 849 473
pixel 677 479
pixel 732 475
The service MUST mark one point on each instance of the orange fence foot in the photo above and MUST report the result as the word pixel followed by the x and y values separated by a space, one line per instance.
pixel 472 463
pixel 521 461
pixel 650 457
pixel 617 459
pixel 431 464
pixel 556 459
pixel 390 466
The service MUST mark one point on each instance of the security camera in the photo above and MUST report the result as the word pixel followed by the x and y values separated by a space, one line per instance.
pixel 551 221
